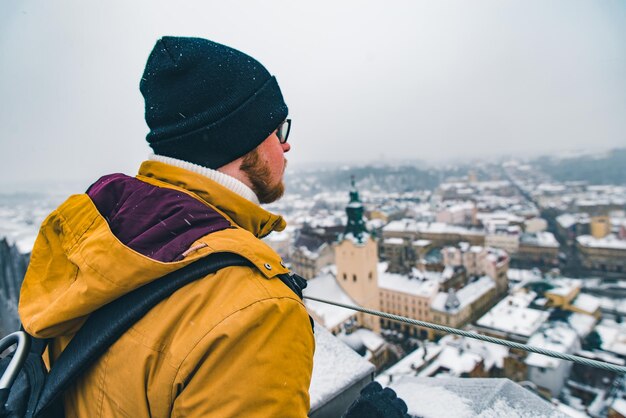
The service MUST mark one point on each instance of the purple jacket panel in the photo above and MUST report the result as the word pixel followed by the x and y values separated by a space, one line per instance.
pixel 157 222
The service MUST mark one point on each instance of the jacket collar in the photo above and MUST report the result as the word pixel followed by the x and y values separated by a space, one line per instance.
pixel 243 212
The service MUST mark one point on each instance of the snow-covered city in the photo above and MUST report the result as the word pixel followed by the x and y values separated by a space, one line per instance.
pixel 503 249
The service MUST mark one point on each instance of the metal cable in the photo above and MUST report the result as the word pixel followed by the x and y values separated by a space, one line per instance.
pixel 576 359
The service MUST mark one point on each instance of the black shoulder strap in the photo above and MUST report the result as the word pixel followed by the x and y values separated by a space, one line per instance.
pixel 297 284
pixel 108 323
pixel 293 281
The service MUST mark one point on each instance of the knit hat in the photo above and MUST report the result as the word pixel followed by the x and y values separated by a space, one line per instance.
pixel 207 103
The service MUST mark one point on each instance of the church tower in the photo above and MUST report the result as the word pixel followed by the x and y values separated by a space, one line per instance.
pixel 356 256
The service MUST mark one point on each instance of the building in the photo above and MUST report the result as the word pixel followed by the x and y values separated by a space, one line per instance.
pixel 540 248
pixel 407 295
pixel 458 308
pixel 602 254
pixel 512 318
pixel 356 257
pixel 310 262
pixel 566 295
pixel 508 240
pixel 549 373
pixel 569 226
pixel 480 261
pixel 457 213
pixel 535 225
pixel 438 233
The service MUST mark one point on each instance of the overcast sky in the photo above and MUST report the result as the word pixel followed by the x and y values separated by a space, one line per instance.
pixel 364 80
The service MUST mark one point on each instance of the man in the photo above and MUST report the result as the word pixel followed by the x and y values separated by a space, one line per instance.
pixel 234 344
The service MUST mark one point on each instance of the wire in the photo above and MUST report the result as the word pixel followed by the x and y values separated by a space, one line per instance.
pixel 576 359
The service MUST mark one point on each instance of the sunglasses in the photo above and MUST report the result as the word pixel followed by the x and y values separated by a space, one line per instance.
pixel 282 132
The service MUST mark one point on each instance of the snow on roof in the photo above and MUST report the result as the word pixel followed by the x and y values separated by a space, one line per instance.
pixel 432 401
pixel 602 356
pixel 452 361
pixel 587 303
pixel 470 398
pixel 609 242
pixel 540 239
pixel 372 341
pixel 619 406
pixel 567 220
pixel 559 337
pixel 335 368
pixel 564 286
pixel 613 336
pixel 466 295
pixel 422 242
pixel 411 225
pixel 325 286
pixel 393 241
pixel 505 217
pixel 512 315
pixel 424 285
pixel 491 354
pixel 568 410
pixel 518 275
pixel 411 363
pixel 582 323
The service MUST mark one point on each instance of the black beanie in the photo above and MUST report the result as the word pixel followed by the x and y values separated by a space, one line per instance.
pixel 207 103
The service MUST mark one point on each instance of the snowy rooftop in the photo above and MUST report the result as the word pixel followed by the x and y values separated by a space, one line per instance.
pixel 325 286
pixel 560 338
pixel 335 367
pixel 519 275
pixel 411 225
pixel 466 296
pixel 609 242
pixel 453 361
pixel 613 336
pixel 411 363
pixel 564 287
pixel 506 217
pixel 587 303
pixel 582 323
pixel 372 341
pixel 426 285
pixel 567 220
pixel 461 355
pixel 512 315
pixel 619 406
pixel 393 241
pixel 470 398
pixel 541 239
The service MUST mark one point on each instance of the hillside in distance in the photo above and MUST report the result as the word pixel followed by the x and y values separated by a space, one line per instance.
pixel 605 168
pixel 390 179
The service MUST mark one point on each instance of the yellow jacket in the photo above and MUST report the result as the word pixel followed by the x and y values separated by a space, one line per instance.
pixel 234 344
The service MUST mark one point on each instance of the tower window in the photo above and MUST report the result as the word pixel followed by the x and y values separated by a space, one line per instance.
pixel 354 277
pixel 345 276
pixel 370 275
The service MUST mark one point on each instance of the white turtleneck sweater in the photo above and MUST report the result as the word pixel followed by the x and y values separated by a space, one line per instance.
pixel 225 180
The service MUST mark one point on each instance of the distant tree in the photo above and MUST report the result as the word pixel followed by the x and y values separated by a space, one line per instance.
pixel 539 287
pixel 593 341
pixel 559 314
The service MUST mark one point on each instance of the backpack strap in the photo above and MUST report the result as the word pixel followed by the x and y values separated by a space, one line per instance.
pixel 297 284
pixel 293 281
pixel 107 324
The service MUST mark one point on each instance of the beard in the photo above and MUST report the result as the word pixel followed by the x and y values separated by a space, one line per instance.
pixel 259 173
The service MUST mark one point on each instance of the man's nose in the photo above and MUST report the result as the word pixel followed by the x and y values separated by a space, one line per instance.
pixel 286 147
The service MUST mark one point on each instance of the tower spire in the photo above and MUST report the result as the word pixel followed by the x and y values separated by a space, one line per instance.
pixel 354 210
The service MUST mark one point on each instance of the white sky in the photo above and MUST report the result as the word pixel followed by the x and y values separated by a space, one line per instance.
pixel 364 80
